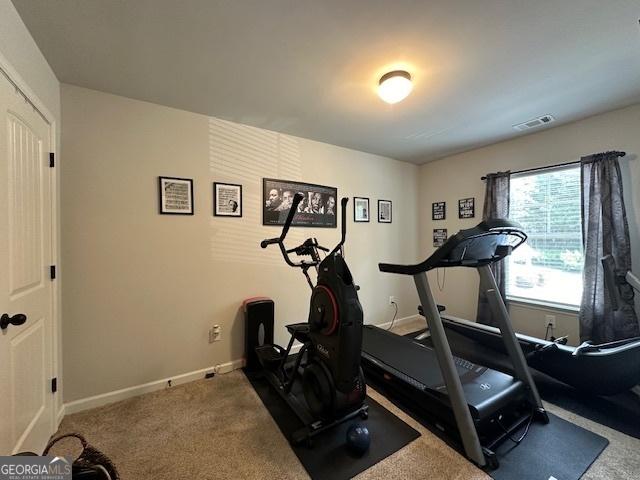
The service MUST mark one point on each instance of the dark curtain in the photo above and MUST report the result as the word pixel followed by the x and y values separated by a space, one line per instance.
pixel 605 232
pixel 496 205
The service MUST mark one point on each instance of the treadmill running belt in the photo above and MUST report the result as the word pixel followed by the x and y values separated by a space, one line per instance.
pixel 486 390
pixel 409 358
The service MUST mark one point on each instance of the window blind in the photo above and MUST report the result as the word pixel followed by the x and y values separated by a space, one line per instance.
pixel 548 267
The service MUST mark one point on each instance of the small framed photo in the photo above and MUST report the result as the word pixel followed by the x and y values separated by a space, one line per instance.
pixel 176 195
pixel 438 211
pixel 439 236
pixel 227 200
pixel 361 209
pixel 466 208
pixel 384 211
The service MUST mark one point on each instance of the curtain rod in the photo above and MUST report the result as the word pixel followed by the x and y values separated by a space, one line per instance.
pixel 566 164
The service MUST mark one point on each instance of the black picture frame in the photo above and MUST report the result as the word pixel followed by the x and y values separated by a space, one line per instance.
pixel 439 211
pixel 439 236
pixel 382 219
pixel 219 209
pixel 467 207
pixel 307 216
pixel 177 195
pixel 362 218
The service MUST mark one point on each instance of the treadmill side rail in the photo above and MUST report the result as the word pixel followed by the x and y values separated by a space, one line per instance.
pixel 511 344
pixel 466 427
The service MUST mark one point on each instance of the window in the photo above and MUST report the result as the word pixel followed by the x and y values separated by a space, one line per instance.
pixel 548 267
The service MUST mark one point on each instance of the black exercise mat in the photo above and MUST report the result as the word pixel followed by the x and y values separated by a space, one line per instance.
pixel 559 449
pixel 329 459
pixel 620 412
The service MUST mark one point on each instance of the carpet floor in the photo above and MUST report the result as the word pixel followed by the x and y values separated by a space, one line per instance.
pixel 219 429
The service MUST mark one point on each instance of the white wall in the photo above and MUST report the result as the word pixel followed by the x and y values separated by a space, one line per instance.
pixel 141 289
pixel 458 176
pixel 22 59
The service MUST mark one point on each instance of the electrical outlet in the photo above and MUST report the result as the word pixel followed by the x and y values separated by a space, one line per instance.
pixel 392 300
pixel 550 320
pixel 214 333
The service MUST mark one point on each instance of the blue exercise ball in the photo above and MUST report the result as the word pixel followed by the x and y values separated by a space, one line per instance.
pixel 358 439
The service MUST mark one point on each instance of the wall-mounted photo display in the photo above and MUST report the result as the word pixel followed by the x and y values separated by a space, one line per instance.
pixel 361 209
pixel 438 211
pixel 317 209
pixel 439 236
pixel 384 211
pixel 227 199
pixel 175 195
pixel 466 208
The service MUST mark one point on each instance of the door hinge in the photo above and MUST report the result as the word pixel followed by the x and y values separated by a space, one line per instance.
pixel 52 159
pixel 54 385
pixel 52 271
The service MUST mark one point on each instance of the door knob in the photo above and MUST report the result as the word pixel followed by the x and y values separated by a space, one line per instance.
pixel 17 319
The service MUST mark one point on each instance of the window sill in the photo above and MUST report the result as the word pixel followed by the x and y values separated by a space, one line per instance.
pixel 527 302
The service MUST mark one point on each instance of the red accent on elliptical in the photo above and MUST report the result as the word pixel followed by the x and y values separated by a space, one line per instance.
pixel 334 322
pixel 253 300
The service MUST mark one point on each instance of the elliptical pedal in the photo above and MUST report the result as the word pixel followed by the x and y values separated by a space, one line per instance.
pixel 270 356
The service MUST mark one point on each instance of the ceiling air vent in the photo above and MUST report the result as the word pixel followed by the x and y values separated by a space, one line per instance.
pixel 535 123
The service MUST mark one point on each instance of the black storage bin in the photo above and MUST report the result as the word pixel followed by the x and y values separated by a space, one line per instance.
pixel 259 318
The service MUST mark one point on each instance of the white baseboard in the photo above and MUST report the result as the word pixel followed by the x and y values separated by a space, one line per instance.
pixel 400 321
pixel 123 394
pixel 60 415
pixel 228 366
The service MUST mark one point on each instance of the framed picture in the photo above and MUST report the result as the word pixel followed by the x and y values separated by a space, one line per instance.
pixel 227 199
pixel 317 209
pixel 361 209
pixel 438 211
pixel 384 211
pixel 466 208
pixel 176 195
pixel 439 236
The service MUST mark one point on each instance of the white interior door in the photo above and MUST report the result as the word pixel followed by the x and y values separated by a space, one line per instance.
pixel 26 401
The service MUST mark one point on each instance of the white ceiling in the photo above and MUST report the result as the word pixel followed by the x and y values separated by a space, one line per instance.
pixel 310 67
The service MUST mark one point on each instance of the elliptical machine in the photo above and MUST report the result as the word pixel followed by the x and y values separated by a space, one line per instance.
pixel 328 364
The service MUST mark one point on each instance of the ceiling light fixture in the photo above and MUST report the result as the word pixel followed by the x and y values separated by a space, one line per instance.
pixel 395 86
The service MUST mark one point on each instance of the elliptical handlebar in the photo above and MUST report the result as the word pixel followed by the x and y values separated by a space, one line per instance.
pixel 269 241
pixel 343 212
pixel 298 197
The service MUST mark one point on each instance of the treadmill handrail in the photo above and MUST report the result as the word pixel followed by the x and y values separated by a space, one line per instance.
pixel 491 227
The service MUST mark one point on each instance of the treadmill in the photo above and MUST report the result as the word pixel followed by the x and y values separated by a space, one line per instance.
pixel 617 362
pixel 474 407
